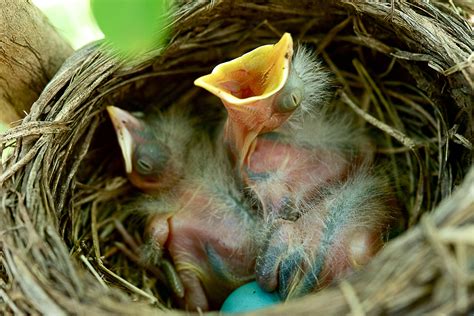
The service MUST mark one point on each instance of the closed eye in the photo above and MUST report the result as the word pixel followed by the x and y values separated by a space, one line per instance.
pixel 144 166
pixel 295 98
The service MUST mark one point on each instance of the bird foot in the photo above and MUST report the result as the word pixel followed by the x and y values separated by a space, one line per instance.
pixel 211 248
pixel 327 242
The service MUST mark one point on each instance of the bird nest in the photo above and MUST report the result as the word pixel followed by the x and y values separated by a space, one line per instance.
pixel 69 246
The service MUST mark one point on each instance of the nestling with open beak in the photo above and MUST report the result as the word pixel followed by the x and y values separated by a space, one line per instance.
pixel 280 134
pixel 196 215
pixel 300 162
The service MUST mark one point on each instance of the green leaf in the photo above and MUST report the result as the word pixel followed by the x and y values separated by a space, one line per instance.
pixel 133 26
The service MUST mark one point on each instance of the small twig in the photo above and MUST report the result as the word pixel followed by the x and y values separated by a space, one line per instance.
pixel 94 232
pixel 331 34
pixel 402 138
pixel 93 271
pixel 112 251
pixel 126 236
pixel 396 150
pixel 469 62
pixel 434 239
pixel 23 161
pixel 351 297
pixel 458 235
pixel 10 303
pixel 462 295
pixel 127 284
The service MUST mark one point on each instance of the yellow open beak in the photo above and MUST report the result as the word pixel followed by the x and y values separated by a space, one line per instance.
pixel 248 86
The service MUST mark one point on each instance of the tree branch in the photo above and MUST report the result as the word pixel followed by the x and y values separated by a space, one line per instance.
pixel 31 51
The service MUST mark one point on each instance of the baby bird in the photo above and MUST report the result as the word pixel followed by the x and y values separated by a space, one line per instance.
pixel 196 214
pixel 260 90
pixel 207 229
pixel 278 130
pixel 154 147
pixel 338 231
pixel 300 160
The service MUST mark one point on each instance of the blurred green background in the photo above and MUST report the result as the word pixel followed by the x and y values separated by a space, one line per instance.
pixel 72 19
pixel 132 26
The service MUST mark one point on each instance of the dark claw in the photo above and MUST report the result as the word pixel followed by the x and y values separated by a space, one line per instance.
pixel 281 264
pixel 267 268
pixel 290 271
pixel 268 261
pixel 286 265
pixel 310 279
pixel 173 278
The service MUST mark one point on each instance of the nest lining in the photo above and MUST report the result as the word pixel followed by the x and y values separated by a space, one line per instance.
pixel 403 69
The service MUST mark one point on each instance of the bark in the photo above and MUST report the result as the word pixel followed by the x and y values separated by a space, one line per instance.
pixel 31 51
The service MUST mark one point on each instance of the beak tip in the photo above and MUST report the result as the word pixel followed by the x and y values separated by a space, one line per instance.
pixel 110 109
pixel 114 113
pixel 199 82
pixel 121 119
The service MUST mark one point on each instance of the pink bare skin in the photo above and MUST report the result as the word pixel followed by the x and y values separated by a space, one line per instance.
pixel 338 232
pixel 284 175
pixel 196 215
pixel 324 214
pixel 210 240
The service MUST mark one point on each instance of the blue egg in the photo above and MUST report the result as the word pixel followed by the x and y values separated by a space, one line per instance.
pixel 247 298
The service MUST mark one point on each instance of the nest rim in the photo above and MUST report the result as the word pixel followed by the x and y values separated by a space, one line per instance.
pixel 61 101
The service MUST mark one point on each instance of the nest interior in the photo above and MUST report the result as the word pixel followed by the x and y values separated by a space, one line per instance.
pixel 403 68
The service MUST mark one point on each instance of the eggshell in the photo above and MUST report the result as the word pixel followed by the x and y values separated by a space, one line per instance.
pixel 249 297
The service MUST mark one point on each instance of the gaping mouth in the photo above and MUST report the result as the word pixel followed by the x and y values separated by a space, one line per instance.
pixel 254 76
pixel 249 87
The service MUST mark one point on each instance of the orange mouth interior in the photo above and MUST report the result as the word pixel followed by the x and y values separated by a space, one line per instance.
pixel 243 84
pixel 256 75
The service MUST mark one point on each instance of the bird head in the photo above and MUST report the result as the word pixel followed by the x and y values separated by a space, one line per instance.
pixel 259 90
pixel 148 162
